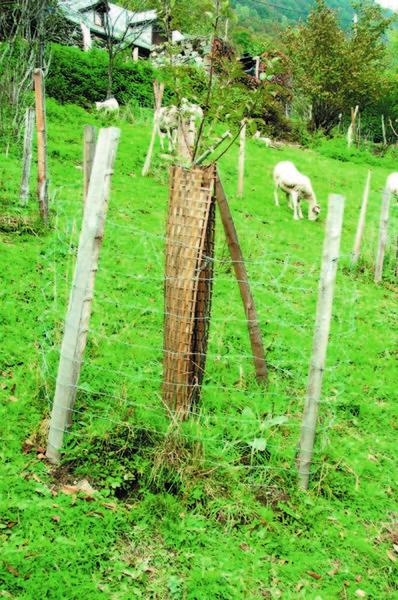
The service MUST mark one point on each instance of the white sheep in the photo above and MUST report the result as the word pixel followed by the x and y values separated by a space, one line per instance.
pixel 392 184
pixel 168 121
pixel 111 104
pixel 167 125
pixel 297 187
pixel 264 140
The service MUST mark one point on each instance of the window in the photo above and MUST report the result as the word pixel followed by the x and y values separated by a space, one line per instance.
pixel 98 18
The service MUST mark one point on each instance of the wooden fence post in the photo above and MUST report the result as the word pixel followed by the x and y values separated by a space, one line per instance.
pixel 383 129
pixel 361 222
pixel 42 192
pixel 241 162
pixel 383 231
pixel 89 142
pixel 330 256
pixel 158 93
pixel 27 154
pixel 243 282
pixel 79 309
pixel 257 68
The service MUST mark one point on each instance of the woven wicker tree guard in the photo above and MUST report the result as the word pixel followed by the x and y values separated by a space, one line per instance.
pixel 188 284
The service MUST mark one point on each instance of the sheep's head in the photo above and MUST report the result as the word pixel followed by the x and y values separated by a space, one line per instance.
pixel 313 212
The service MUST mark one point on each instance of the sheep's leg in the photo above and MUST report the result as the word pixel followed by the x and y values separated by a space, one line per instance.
pixel 289 200
pixel 174 137
pixel 276 195
pixel 161 139
pixel 295 206
pixel 300 212
pixel 169 141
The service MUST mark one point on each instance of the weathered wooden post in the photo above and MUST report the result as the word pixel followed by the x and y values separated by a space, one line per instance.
pixel 158 93
pixel 257 68
pixel 383 232
pixel 89 142
pixel 27 154
pixel 241 162
pixel 80 300
pixel 243 282
pixel 330 256
pixel 351 133
pixel 361 222
pixel 40 100
pixel 383 129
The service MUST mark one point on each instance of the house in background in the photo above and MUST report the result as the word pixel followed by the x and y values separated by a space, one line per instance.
pixel 140 30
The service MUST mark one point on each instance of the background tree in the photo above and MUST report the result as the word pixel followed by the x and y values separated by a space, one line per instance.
pixel 121 31
pixel 336 69
pixel 24 28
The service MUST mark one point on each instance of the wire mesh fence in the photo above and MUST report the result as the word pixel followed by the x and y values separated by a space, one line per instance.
pixel 239 424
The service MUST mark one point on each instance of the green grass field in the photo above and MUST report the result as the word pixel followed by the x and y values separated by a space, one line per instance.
pixel 210 509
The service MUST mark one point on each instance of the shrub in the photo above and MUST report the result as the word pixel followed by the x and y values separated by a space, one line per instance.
pixel 81 78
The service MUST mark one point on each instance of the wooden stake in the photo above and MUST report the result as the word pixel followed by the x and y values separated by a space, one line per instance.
pixel 241 161
pixel 330 256
pixel 383 129
pixel 243 282
pixel 27 154
pixel 361 222
pixel 42 192
pixel 89 143
pixel 257 68
pixel 383 231
pixel 351 133
pixel 158 93
pixel 79 309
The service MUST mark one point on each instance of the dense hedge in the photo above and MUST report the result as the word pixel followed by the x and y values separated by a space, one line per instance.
pixel 81 78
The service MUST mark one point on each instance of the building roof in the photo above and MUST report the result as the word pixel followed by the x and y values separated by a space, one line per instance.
pixel 120 18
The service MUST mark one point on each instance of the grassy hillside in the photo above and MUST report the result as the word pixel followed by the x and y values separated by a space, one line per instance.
pixel 255 12
pixel 208 510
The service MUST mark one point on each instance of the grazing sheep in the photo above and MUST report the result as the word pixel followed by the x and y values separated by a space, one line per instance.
pixel 110 105
pixel 169 117
pixel 297 187
pixel 392 184
pixel 264 140
pixel 167 125
pixel 189 110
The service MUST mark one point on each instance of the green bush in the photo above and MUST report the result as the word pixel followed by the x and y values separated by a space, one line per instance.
pixel 369 154
pixel 81 78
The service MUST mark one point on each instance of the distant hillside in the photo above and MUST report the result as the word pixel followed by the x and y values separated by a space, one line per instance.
pixel 257 14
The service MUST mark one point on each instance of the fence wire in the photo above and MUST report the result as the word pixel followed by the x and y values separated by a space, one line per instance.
pixel 241 424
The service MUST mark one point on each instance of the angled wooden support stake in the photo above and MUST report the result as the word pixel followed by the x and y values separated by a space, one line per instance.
pixel 27 154
pixel 80 300
pixel 42 184
pixel 383 234
pixel 158 90
pixel 243 282
pixel 361 222
pixel 89 143
pixel 241 161
pixel 331 250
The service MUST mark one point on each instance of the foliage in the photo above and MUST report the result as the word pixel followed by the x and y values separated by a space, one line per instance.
pixel 251 43
pixel 24 27
pixel 336 70
pixel 275 16
pixel 222 518
pixel 82 78
pixel 187 16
